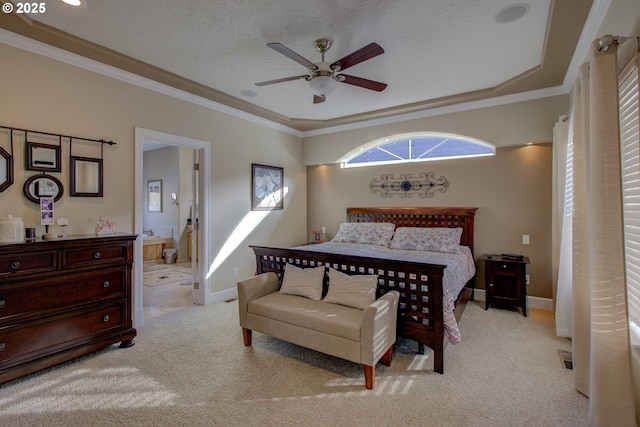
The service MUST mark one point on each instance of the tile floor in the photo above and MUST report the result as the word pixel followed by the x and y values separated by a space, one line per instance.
pixel 167 297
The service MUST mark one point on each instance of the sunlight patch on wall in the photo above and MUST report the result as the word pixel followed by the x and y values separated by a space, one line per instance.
pixel 242 230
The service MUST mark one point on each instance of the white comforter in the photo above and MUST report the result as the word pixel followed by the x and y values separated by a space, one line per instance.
pixel 460 268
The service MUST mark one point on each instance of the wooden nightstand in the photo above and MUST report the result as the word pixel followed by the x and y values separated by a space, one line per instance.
pixel 504 281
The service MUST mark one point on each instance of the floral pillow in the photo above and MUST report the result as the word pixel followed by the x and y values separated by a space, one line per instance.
pixel 304 282
pixel 427 239
pixel 357 291
pixel 368 233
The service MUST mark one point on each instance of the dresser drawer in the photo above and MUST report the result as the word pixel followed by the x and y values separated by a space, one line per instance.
pixel 96 254
pixel 57 332
pixel 31 298
pixel 22 263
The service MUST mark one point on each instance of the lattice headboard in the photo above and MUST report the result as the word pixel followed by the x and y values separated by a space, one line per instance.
pixel 420 217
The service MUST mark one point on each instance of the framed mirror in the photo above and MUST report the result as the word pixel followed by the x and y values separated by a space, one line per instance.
pixel 43 186
pixel 42 157
pixel 86 177
pixel 6 170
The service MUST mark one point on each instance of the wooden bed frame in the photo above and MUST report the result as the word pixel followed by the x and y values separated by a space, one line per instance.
pixel 420 313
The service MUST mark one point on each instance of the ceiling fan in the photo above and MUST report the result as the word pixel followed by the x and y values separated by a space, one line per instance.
pixel 323 77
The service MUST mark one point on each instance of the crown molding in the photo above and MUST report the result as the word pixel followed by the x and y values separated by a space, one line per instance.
pixel 43 49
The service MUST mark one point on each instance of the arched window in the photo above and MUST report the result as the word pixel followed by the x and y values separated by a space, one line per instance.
pixel 417 147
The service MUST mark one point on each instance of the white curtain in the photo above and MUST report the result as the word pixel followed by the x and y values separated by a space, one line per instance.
pixel 563 155
pixel 601 356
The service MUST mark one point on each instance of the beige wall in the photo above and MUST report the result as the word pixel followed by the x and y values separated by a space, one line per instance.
pixel 43 94
pixel 511 190
pixel 503 125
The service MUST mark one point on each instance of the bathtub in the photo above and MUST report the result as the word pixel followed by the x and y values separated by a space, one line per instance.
pixel 152 247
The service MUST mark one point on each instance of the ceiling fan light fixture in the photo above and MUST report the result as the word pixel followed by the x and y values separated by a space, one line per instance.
pixel 322 85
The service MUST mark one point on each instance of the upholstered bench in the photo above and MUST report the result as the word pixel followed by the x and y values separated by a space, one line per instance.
pixel 361 335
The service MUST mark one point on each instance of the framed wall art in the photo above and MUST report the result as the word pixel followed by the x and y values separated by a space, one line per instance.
pixel 267 187
pixel 154 195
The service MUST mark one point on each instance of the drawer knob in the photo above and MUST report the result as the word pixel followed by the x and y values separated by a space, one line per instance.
pixel 2 303
pixel 491 285
pixel 15 265
pixel 97 255
pixel 504 265
pixel 2 346
pixel 106 318
pixel 106 284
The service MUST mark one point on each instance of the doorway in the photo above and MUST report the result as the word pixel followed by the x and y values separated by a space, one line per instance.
pixel 185 213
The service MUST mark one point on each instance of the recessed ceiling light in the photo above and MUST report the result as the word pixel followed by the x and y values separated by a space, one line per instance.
pixel 73 2
pixel 512 13
pixel 248 93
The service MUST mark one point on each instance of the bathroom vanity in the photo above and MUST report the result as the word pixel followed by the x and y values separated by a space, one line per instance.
pixel 63 298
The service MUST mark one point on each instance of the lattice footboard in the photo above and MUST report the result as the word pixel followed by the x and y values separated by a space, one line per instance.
pixel 420 312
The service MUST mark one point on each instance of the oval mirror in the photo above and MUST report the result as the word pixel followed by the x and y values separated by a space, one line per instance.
pixel 43 186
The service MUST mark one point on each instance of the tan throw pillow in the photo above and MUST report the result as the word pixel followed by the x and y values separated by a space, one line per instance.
pixel 305 282
pixel 353 291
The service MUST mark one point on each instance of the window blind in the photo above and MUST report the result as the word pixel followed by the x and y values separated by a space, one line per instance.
pixel 630 151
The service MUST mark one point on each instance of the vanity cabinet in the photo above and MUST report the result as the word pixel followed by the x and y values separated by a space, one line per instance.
pixel 60 299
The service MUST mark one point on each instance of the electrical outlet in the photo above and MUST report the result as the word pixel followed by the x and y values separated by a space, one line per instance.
pixel 527 279
pixel 525 239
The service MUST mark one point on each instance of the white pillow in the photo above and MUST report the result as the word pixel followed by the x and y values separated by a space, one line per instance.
pixel 427 239
pixel 369 233
pixel 304 282
pixel 353 291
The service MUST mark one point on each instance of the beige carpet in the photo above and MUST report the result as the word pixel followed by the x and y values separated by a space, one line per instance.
pixel 190 368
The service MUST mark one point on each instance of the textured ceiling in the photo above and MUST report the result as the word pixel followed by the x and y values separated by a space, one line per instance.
pixel 436 52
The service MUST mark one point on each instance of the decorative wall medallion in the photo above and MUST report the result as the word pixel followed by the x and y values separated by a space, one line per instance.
pixel 406 185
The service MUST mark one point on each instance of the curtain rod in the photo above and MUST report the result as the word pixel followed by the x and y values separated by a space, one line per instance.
pixel 607 40
pixel 101 141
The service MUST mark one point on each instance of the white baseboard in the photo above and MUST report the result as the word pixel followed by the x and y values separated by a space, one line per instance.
pixel 532 302
pixel 226 295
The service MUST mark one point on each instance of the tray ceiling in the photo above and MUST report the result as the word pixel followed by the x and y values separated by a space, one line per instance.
pixel 436 53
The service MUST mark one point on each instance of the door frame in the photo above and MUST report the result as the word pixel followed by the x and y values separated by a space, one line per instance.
pixel 204 147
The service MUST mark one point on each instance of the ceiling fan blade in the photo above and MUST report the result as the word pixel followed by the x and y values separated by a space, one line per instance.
pixel 367 52
pixel 285 79
pixel 364 83
pixel 318 99
pixel 292 55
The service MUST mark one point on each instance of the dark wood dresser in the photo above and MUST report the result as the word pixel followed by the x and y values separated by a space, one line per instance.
pixel 60 299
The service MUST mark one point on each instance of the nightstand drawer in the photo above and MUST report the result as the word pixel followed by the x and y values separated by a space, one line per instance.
pixel 505 267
